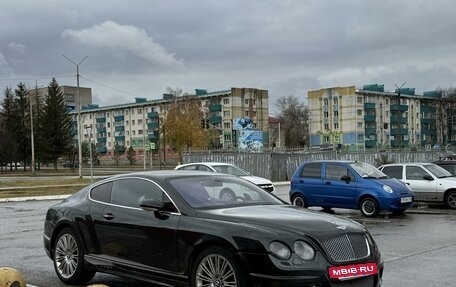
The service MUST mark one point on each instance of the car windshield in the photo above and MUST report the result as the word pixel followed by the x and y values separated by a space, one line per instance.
pixel 366 170
pixel 438 171
pixel 230 169
pixel 217 191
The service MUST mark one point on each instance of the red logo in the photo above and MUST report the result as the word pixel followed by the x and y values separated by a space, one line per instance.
pixel 350 271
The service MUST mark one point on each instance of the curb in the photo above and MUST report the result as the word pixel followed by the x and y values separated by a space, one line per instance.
pixel 34 198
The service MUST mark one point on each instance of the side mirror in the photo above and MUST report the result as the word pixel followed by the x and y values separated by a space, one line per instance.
pixel 346 178
pixel 428 177
pixel 151 204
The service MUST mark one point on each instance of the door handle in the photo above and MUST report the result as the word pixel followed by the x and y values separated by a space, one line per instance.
pixel 108 216
pixel 328 183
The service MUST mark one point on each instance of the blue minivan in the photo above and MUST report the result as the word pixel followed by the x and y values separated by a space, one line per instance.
pixel 348 184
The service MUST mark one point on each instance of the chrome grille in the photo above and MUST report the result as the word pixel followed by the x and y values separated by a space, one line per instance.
pixel 347 247
pixel 267 187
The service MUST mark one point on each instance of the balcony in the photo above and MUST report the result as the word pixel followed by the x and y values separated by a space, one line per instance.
pixel 427 109
pixel 119 128
pixel 370 118
pixel 402 131
pixel 428 121
pixel 101 130
pixel 370 131
pixel 101 120
pixel 152 115
pixel 119 138
pixel 119 148
pixel 119 118
pixel 152 126
pixel 428 132
pixel 395 119
pixel 397 143
pixel 215 120
pixel 152 136
pixel 102 149
pixel 215 108
pixel 370 143
pixel 401 108
pixel 369 105
pixel 101 140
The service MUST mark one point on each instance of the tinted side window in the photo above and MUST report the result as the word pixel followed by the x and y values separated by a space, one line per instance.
pixel 190 167
pixel 102 192
pixel 393 171
pixel 335 172
pixel 415 172
pixel 312 170
pixel 128 192
pixel 204 168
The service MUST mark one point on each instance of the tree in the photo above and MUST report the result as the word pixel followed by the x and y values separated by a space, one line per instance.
pixel 293 121
pixel 118 151
pixel 131 155
pixel 447 114
pixel 22 129
pixel 8 120
pixel 56 123
pixel 182 122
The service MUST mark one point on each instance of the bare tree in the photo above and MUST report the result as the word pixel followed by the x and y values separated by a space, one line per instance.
pixel 293 121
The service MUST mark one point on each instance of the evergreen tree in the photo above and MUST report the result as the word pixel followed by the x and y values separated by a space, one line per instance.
pixel 22 129
pixel 8 123
pixel 56 123
pixel 131 155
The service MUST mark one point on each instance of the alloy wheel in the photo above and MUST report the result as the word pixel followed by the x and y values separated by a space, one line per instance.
pixel 66 255
pixel 215 271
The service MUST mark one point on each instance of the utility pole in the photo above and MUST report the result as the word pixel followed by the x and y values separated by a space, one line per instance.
pixel 89 132
pixel 399 116
pixel 31 133
pixel 79 112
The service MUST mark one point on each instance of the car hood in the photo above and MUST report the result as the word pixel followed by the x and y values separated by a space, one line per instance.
pixel 256 179
pixel 285 217
pixel 397 185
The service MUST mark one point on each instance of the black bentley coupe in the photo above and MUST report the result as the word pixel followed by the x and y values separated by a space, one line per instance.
pixel 173 228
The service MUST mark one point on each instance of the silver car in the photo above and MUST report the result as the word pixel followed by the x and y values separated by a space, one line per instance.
pixel 428 181
pixel 228 168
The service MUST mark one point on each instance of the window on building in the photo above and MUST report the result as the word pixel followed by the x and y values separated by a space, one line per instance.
pixel 336 113
pixel 227 138
pixel 133 122
pixel 128 133
pixel 133 133
pixel 128 143
pixel 326 114
pixel 226 101
pixel 360 100
pixel 226 113
pixel 325 102
pixel 140 132
pixel 336 100
pixel 360 137
pixel 126 112
pixel 107 114
pixel 246 113
pixel 140 122
pixel 109 125
pixel 132 112
pixel 359 112
pixel 386 102
pixel 226 125
pixel 139 111
pixel 360 124
pixel 326 126
pixel 326 139
pixel 126 122
pixel 336 126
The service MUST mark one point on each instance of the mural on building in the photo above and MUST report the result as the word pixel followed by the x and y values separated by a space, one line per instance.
pixel 248 138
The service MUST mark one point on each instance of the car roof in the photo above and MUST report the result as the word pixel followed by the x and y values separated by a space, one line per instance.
pixel 209 163
pixel 408 163
pixel 332 161
pixel 166 174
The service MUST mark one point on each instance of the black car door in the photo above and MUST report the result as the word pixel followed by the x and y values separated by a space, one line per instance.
pixel 134 235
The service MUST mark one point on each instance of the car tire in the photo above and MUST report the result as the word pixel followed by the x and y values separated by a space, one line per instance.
pixel 68 258
pixel 227 195
pixel 450 199
pixel 369 207
pixel 300 201
pixel 218 267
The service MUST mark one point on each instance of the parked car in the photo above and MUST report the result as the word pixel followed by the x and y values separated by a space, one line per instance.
pixel 348 184
pixel 264 183
pixel 164 226
pixel 428 181
pixel 447 162
pixel 71 164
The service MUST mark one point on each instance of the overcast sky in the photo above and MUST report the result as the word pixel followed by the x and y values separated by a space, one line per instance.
pixel 138 48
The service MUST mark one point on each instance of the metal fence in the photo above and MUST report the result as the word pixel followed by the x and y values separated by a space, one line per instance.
pixel 281 166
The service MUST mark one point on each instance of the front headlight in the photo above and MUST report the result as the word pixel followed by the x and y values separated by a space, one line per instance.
pixel 304 250
pixel 280 250
pixel 387 189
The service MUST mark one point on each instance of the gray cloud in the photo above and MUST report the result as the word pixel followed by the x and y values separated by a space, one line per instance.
pixel 288 47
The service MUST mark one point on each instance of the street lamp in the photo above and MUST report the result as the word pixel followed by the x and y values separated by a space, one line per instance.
pixel 399 114
pixel 89 132
pixel 79 112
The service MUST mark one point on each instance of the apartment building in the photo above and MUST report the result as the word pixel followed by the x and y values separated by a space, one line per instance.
pixel 357 119
pixel 71 96
pixel 137 124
